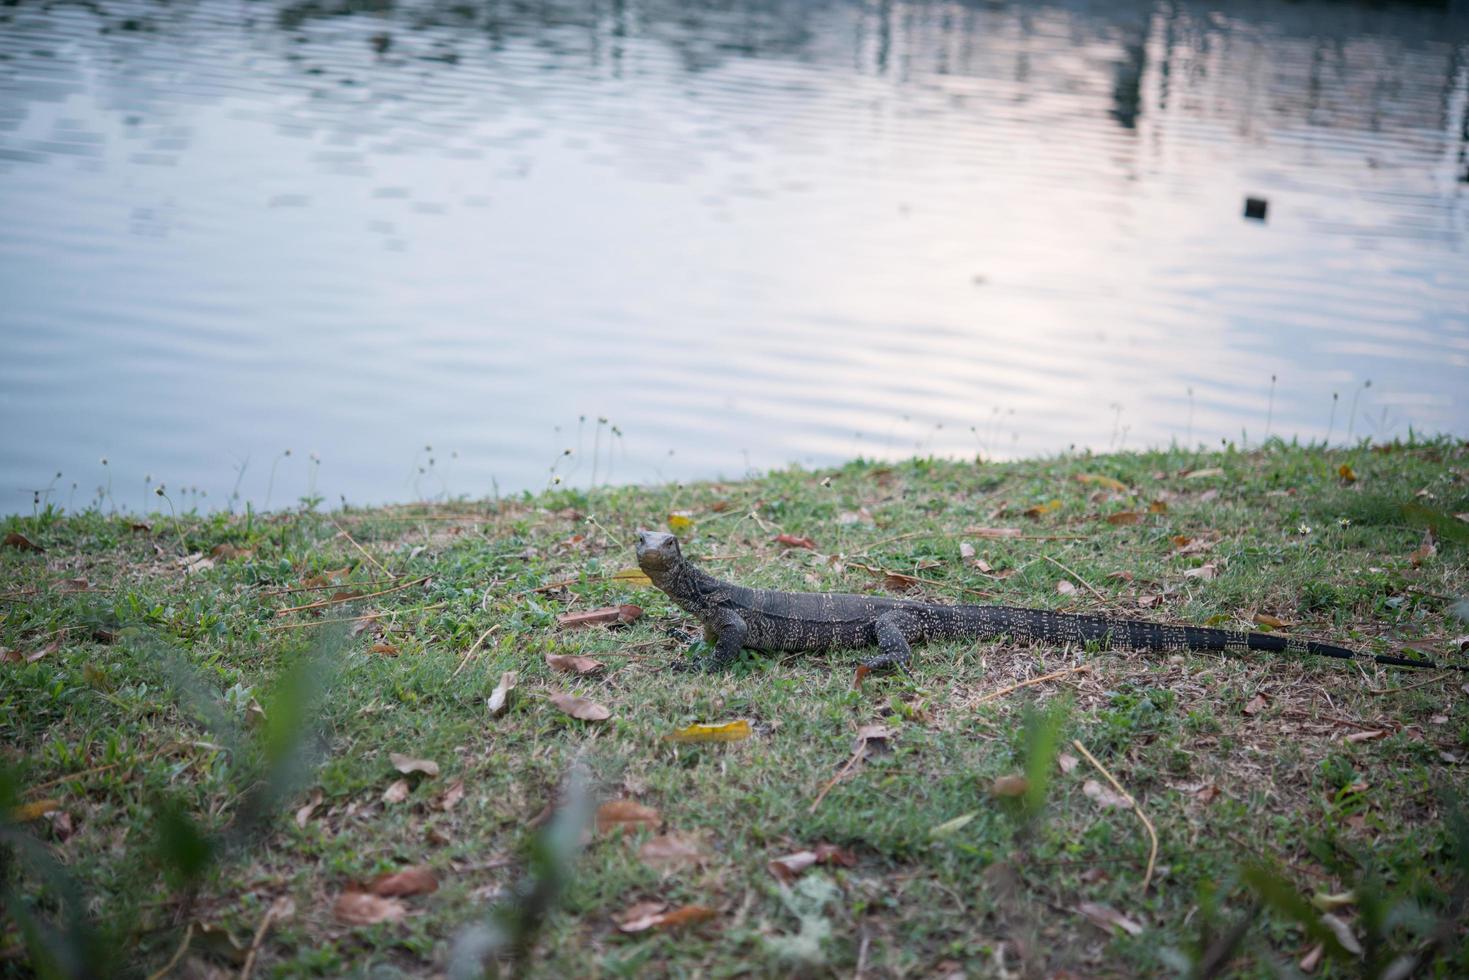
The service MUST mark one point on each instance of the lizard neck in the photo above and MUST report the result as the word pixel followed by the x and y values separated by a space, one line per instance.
pixel 685 584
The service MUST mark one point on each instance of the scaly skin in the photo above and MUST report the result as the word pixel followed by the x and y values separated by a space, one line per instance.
pixel 735 617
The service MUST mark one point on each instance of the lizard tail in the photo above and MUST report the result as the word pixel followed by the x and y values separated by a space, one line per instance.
pixel 1134 634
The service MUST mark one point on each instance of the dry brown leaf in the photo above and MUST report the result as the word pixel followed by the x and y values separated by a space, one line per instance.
pixel 686 915
pixel 670 852
pixel 1147 601
pixel 61 825
pixel 416 880
pixel 579 707
pixel 1123 517
pixel 1040 510
pixel 1425 551
pixel 408 765
pixel 34 811
pixel 384 648
pixel 303 813
pixel 1067 762
pixel 1108 918
pixel 451 796
pixel 898 582
pixel 1256 704
pixel 17 540
pixel 16 657
pixel 396 792
pixel 1312 959
pixel 626 815
pixel 734 731
pixel 1206 793
pixel 229 552
pixel 1120 576
pixel 364 909
pixel 966 550
pixel 788 868
pixel 1158 507
pixel 1204 572
pixel 1365 736
pixel 1010 786
pixel 1274 622
pixel 792 541
pixel 1343 933
pixel 1101 481
pixel 868 734
pixel 606 616
pixel 499 698
pixel 1104 796
pixel 1345 472
pixel 73 585
pixel 994 532
pixel 1065 587
pixel 571 664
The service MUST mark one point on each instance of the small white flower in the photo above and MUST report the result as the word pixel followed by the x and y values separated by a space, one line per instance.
pixel 1304 529
pixel 1343 522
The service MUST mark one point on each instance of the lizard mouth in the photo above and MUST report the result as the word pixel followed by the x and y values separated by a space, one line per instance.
pixel 655 546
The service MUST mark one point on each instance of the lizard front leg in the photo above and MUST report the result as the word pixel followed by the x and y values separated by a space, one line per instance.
pixel 726 630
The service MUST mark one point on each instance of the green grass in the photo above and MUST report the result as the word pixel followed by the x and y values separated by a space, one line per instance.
pixel 141 725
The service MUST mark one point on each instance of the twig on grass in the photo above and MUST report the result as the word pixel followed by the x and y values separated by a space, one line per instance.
pixel 1443 675
pixel 353 542
pixel 470 652
pixel 993 695
pixel 177 955
pixel 276 907
pixel 352 619
pixel 336 601
pixel 1152 834
pixel 1090 588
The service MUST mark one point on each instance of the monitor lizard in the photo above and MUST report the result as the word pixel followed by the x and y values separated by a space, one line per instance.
pixel 735 617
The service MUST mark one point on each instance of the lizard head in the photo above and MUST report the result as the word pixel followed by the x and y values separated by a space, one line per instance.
pixel 657 552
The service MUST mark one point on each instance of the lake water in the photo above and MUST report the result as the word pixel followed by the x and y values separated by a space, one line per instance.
pixel 745 234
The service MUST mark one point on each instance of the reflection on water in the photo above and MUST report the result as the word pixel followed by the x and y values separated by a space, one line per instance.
pixel 746 233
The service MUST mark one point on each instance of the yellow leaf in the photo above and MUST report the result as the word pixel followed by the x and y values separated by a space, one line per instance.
pixel 1104 481
pixel 1345 472
pixel 632 576
pixel 679 521
pixel 734 731
pixel 1040 509
pixel 950 826
pixel 34 811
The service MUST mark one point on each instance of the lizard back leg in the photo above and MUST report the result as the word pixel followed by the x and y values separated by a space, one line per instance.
pixel 895 630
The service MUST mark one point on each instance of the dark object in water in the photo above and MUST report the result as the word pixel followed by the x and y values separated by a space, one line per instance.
pixel 1255 208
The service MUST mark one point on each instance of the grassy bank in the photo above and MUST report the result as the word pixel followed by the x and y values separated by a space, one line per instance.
pixel 199 720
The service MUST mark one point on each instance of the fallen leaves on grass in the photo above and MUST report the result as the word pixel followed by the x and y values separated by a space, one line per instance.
pixel 1425 551
pixel 898 582
pixel 652 915
pixel 1204 572
pixel 1202 474
pixel 672 852
pixel 408 765
pixel 792 541
pixel 499 698
pixel 16 657
pixel 632 576
pixel 1104 796
pixel 416 880
pixel 1010 786
pixel 733 731
pixel 626 815
pixel 73 585
pixel 1256 704
pixel 1102 481
pixel 1346 473
pixel 357 908
pixel 994 532
pixel 1064 587
pixel 229 552
pixel 606 616
pixel 304 812
pixel 582 708
pixel 397 792
pixel 790 867
pixel 451 797
pixel 26 812
pixel 680 521
pixel 1185 545
pixel 1040 510
pixel 19 541
pixel 950 827
pixel 1123 517
pixel 384 649
pixel 1371 736
pixel 1158 507
pixel 1107 918
pixel 1206 793
pixel 1273 622
pixel 571 664
pixel 1067 762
